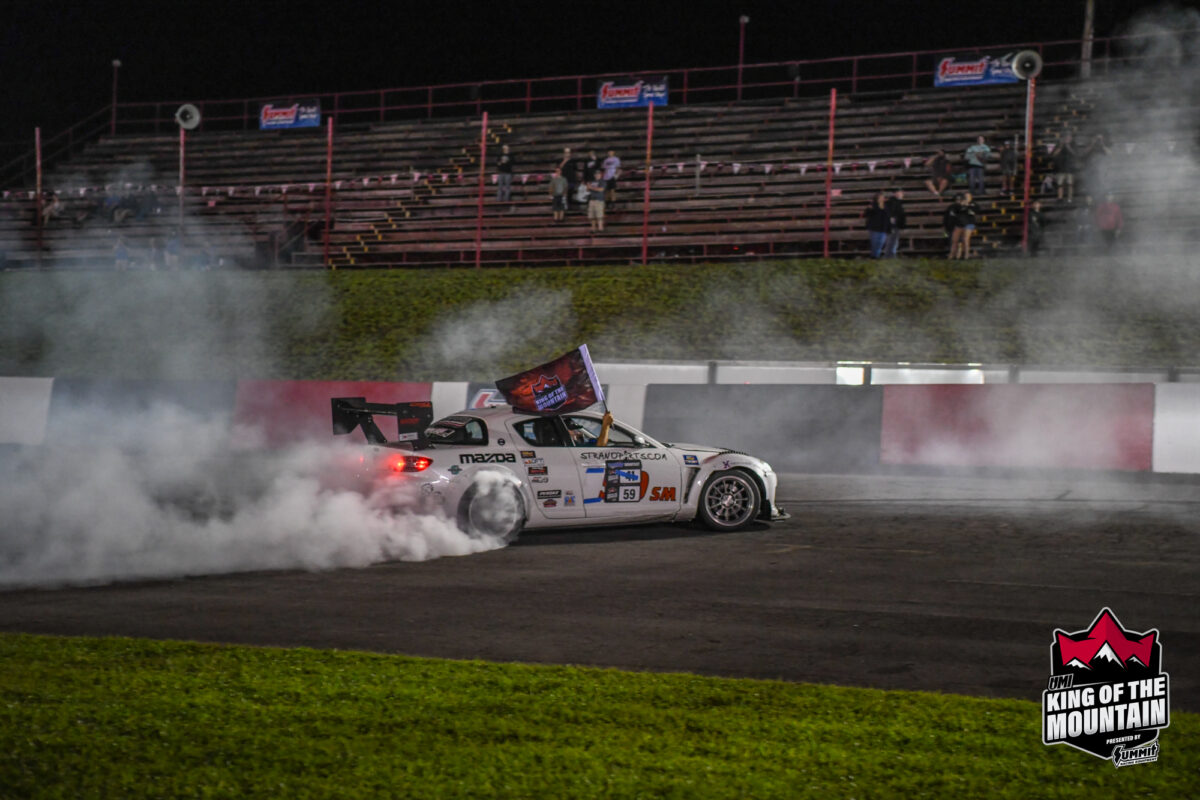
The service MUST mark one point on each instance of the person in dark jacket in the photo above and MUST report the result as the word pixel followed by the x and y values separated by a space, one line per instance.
pixel 1064 158
pixel 960 220
pixel 878 223
pixel 504 176
pixel 939 172
pixel 897 222
pixel 1008 168
pixel 1037 227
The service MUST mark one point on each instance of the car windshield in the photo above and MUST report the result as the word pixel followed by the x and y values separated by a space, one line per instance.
pixel 457 430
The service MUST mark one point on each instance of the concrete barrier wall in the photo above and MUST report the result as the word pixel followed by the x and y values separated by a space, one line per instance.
pixel 796 426
pixel 1104 426
pixel 1177 427
pixel 24 407
pixel 799 427
pixel 290 411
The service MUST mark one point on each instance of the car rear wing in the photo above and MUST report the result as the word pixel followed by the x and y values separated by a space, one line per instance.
pixel 355 412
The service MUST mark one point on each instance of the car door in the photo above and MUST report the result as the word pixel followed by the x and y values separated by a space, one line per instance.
pixel 628 479
pixel 548 466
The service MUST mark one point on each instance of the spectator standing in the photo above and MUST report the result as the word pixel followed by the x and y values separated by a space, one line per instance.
pixel 156 254
pixel 897 222
pixel 1065 160
pixel 558 195
pixel 939 172
pixel 1037 227
pixel 595 209
pixel 1109 220
pixel 172 251
pixel 578 179
pixel 612 171
pixel 976 157
pixel 593 163
pixel 960 220
pixel 878 224
pixel 1085 223
pixel 121 254
pixel 52 209
pixel 111 201
pixel 1008 168
pixel 1096 164
pixel 567 166
pixel 504 174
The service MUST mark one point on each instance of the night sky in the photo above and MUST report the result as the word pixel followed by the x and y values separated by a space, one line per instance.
pixel 55 56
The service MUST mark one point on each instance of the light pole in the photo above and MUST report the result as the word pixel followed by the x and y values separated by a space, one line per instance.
pixel 112 126
pixel 1085 56
pixel 742 20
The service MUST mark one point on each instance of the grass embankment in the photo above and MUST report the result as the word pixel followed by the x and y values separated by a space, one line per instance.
pixel 462 324
pixel 129 718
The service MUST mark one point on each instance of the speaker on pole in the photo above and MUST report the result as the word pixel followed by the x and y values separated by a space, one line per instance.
pixel 1027 64
pixel 188 117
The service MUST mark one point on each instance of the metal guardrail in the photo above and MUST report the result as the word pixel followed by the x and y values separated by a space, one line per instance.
pixel 748 82
pixel 875 373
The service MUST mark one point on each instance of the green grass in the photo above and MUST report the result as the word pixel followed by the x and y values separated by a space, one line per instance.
pixel 448 324
pixel 131 718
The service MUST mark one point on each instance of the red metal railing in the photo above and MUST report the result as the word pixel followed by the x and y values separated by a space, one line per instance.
pixel 886 71
pixel 852 74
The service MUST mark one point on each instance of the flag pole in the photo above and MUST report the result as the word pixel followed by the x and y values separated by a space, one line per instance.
pixel 607 420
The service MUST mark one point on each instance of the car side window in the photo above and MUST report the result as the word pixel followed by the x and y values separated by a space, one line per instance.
pixel 539 431
pixel 585 431
pixel 458 430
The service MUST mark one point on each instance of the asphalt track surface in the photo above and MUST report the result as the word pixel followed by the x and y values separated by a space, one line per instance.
pixel 952 585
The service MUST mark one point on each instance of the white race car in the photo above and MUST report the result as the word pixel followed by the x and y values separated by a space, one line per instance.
pixel 498 472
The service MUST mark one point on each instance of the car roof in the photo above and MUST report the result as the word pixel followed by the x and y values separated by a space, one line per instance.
pixel 501 412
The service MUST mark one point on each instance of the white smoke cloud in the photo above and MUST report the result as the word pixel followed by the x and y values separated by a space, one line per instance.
pixel 160 496
pixel 489 337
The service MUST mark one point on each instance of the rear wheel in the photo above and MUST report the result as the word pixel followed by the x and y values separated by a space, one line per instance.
pixel 729 501
pixel 496 511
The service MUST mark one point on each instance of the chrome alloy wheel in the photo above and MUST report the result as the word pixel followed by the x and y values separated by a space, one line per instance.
pixel 730 501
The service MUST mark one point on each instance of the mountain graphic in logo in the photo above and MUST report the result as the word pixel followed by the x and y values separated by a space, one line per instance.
pixel 1107 694
pixel 548 393
pixel 1105 644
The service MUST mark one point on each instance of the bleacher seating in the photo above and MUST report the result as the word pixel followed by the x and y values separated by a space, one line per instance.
pixel 257 198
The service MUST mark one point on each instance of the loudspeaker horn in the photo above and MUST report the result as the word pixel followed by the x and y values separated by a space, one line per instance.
pixel 188 116
pixel 1027 64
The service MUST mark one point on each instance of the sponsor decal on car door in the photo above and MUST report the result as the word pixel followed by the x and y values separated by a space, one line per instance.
pixel 549 472
pixel 628 483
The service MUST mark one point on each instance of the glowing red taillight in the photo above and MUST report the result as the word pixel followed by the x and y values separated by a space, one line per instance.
pixel 397 463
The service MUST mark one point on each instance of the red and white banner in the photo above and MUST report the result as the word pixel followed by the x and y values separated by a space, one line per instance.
pixel 1075 426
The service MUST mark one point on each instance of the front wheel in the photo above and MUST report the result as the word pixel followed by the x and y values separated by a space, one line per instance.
pixel 496 511
pixel 729 501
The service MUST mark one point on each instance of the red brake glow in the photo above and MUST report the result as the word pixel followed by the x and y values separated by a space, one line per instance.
pixel 397 463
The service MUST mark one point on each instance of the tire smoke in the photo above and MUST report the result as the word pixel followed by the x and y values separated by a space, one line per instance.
pixel 162 496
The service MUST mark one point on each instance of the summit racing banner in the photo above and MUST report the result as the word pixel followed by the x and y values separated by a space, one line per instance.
pixel 568 383
pixel 975 70
pixel 633 93
pixel 305 114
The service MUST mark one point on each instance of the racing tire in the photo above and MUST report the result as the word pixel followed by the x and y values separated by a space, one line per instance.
pixel 729 501
pixel 496 512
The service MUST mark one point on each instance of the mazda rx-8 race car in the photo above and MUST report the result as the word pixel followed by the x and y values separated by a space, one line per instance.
pixel 498 472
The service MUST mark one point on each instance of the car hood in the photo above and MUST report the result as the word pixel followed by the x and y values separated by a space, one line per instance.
pixel 700 448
